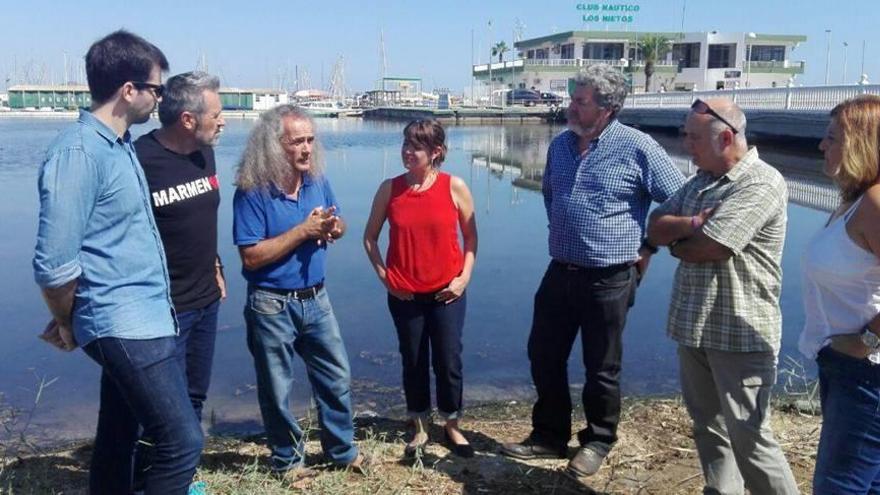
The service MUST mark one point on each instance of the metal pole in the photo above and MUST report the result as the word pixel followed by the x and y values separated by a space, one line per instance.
pixel 749 66
pixel 862 71
pixel 827 55
pixel 473 98
pixel 490 61
pixel 843 77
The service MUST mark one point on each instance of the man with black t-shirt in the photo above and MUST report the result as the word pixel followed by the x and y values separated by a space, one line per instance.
pixel 178 162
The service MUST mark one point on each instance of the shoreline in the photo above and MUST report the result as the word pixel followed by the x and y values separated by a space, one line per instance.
pixel 655 454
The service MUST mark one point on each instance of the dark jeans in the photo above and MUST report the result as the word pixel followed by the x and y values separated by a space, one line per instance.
pixel 430 332
pixel 594 301
pixel 848 460
pixel 142 385
pixel 195 350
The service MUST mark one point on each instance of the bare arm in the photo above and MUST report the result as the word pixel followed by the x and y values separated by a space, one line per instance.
pixel 59 331
pixel 378 215
pixel 700 248
pixel 664 229
pixel 316 226
pixel 467 221
pixel 862 229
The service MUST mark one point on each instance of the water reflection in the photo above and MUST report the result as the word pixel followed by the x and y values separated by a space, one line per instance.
pixel 502 166
pixel 519 152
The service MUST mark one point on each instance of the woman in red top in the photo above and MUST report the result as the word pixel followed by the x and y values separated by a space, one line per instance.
pixel 426 271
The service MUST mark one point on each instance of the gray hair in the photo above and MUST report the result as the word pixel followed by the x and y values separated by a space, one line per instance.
pixel 608 84
pixel 264 161
pixel 736 117
pixel 184 93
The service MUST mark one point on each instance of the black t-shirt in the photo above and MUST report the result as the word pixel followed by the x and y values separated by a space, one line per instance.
pixel 185 196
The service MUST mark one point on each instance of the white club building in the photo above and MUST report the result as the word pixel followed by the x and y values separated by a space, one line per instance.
pixel 694 62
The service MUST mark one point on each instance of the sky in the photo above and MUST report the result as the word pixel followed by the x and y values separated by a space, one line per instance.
pixel 267 43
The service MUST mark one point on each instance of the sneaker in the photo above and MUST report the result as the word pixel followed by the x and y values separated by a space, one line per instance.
pixel 197 488
pixel 585 463
pixel 530 449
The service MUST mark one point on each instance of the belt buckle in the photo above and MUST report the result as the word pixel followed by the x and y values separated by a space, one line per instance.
pixel 572 267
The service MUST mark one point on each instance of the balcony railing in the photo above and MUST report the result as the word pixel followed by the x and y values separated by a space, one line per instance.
pixel 812 98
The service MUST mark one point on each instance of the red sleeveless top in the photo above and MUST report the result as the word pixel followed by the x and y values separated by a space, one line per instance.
pixel 423 249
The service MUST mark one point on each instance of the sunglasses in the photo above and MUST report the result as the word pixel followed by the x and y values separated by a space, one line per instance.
pixel 702 108
pixel 157 89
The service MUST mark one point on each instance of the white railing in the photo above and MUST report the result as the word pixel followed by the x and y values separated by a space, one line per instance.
pixel 554 62
pixel 499 65
pixel 813 98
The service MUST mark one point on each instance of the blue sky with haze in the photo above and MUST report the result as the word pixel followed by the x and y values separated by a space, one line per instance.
pixel 261 42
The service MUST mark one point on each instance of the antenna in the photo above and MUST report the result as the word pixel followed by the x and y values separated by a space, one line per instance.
pixel 337 80
pixel 383 59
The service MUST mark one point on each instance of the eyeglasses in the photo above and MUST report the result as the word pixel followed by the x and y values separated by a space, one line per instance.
pixel 702 108
pixel 157 89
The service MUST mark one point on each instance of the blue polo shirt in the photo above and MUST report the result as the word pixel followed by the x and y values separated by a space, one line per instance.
pixel 96 227
pixel 263 213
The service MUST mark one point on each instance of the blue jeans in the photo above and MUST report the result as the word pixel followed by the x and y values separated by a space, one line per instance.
pixel 848 460
pixel 277 325
pixel 142 385
pixel 195 350
pixel 429 333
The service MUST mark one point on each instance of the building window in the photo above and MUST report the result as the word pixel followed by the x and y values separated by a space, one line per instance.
pixel 687 55
pixel 603 51
pixel 530 54
pixel 542 53
pixel 721 56
pixel 766 53
pixel 567 51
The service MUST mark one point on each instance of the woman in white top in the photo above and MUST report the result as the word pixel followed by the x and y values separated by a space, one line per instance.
pixel 841 279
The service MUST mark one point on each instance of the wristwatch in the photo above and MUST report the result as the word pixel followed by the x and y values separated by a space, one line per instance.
pixel 650 247
pixel 870 339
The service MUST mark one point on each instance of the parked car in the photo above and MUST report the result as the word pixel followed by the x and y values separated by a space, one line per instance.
pixel 525 97
pixel 551 99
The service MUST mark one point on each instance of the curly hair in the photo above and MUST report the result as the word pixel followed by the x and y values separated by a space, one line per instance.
pixel 264 161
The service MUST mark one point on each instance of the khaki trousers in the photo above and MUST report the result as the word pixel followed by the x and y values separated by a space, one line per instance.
pixel 727 394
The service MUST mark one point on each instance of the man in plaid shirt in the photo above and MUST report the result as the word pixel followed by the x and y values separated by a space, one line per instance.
pixel 600 180
pixel 727 226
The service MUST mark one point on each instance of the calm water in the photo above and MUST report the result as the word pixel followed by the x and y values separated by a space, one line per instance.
pixel 502 166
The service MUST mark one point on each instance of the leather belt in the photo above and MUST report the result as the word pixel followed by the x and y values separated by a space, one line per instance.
pixel 299 294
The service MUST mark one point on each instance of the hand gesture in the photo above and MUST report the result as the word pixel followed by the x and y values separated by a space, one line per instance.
pixel 452 291
pixel 58 335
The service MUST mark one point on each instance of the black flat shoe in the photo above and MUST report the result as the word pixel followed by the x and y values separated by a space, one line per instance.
pixel 415 449
pixel 459 449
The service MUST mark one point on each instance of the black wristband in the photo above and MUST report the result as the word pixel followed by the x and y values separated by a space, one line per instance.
pixel 650 247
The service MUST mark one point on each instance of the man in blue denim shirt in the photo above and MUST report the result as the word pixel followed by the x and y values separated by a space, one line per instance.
pixel 100 263
pixel 284 216
pixel 600 180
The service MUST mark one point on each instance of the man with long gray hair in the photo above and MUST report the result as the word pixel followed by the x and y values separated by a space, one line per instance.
pixel 285 215
pixel 600 179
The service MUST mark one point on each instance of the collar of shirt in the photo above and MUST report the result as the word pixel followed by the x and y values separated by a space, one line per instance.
pixel 276 191
pixel 89 119
pixel 572 137
pixel 734 174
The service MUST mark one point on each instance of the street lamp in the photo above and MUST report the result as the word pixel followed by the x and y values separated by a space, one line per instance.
pixel 752 37
pixel 827 54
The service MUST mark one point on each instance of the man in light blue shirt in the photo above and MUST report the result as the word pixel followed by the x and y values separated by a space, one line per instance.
pixel 100 263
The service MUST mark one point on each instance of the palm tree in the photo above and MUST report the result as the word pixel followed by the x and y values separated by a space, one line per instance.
pixel 499 50
pixel 653 47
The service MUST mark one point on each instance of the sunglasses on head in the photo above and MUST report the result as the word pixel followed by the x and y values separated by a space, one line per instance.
pixel 702 108
pixel 157 89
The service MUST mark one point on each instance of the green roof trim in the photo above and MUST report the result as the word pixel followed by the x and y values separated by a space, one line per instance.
pixel 604 35
pixel 795 38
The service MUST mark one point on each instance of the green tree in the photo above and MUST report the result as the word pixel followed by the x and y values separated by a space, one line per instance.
pixel 653 47
pixel 499 49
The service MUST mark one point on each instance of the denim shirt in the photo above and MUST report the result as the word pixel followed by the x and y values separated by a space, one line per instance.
pixel 597 204
pixel 96 227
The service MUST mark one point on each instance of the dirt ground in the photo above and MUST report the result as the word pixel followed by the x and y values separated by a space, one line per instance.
pixel 655 455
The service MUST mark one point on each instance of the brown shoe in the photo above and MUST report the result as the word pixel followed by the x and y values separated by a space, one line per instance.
pixel 360 465
pixel 585 463
pixel 529 449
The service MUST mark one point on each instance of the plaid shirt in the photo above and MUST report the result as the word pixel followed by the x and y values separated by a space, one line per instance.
pixel 732 305
pixel 597 204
